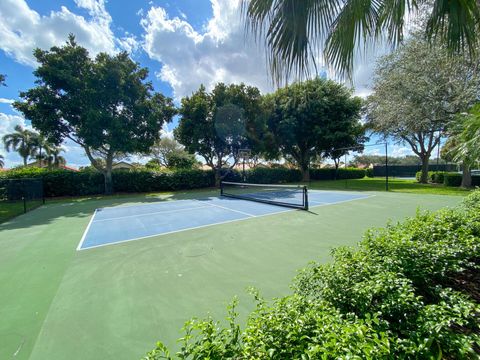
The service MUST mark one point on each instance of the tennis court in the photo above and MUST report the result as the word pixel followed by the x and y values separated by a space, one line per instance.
pixel 114 225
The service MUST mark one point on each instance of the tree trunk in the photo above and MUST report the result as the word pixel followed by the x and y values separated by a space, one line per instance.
pixel 218 177
pixel 337 164
pixel 25 161
pixel 424 177
pixel 466 177
pixel 305 173
pixel 108 175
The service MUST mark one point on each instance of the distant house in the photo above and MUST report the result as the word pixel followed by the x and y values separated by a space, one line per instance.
pixel 43 164
pixel 122 165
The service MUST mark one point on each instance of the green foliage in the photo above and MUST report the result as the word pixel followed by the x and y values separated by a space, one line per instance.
pixel 313 118
pixel 435 177
pixel 400 294
pixel 261 175
pixel 294 33
pixel 104 104
pixel 339 174
pixel 452 179
pixel 22 141
pixel 59 182
pixel 216 124
pixel 369 173
pixel 397 107
pixel 181 160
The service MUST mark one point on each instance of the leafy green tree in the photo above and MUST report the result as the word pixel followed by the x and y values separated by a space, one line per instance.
pixel 153 164
pixel 417 91
pixel 166 147
pixel 22 141
pixel 295 32
pixel 103 104
pixel 464 144
pixel 310 119
pixel 380 160
pixel 181 160
pixel 216 125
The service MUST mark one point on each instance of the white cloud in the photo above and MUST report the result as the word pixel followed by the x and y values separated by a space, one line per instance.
pixel 23 29
pixel 6 101
pixel 220 53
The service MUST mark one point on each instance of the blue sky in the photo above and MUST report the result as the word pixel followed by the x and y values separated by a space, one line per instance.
pixel 184 43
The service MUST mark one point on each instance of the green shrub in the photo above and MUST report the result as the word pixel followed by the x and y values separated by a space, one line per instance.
pixel 90 182
pixel 369 173
pixel 395 296
pixel 438 177
pixel 452 179
pixel 261 175
pixel 350 173
pixel 332 174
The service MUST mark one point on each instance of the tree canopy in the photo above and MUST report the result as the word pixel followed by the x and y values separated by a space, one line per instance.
pixel 417 91
pixel 463 145
pixel 104 104
pixel 313 118
pixel 217 124
pixel 296 32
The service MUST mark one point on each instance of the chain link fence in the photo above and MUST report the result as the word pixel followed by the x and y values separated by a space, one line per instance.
pixel 18 196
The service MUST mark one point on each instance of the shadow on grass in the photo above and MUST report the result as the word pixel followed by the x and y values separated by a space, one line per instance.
pixel 84 207
pixel 394 185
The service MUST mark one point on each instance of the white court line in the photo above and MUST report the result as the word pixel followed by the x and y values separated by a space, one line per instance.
pixel 159 202
pixel 207 225
pixel 226 208
pixel 86 230
pixel 186 229
pixel 155 212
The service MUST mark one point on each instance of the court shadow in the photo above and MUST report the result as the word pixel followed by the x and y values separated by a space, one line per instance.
pixel 56 208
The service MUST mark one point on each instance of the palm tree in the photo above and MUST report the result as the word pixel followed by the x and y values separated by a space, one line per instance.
pixel 21 141
pixel 42 148
pixel 2 161
pixel 296 31
pixel 466 143
pixel 53 158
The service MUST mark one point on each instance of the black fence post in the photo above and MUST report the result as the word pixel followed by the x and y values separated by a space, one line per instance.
pixel 386 166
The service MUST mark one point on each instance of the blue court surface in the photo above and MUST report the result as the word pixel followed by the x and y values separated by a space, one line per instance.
pixel 126 223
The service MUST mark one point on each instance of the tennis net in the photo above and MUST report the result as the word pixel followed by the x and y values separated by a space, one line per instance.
pixel 294 196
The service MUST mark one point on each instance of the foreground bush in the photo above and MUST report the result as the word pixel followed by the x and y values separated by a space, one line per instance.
pixel 410 290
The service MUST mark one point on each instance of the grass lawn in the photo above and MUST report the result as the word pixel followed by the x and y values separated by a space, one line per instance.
pixel 395 185
pixel 115 302
pixel 9 209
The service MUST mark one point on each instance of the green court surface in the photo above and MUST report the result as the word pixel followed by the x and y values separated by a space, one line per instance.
pixel 115 302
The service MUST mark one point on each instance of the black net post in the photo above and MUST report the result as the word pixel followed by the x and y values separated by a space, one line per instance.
pixel 305 197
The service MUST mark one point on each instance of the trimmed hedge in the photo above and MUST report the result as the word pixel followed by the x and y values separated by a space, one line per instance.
pixel 408 291
pixel 447 178
pixel 59 182
pixel 273 176
pixel 452 179
pixel 341 174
